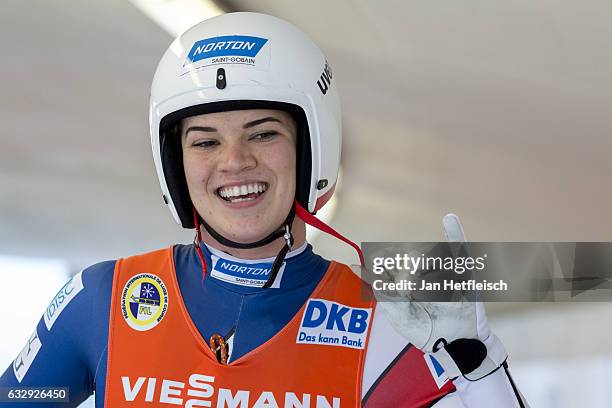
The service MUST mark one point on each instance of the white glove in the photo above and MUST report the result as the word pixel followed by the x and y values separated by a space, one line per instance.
pixel 424 323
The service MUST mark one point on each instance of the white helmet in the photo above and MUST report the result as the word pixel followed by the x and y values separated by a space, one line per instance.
pixel 246 61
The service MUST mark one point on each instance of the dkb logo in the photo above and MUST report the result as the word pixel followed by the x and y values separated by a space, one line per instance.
pixel 331 323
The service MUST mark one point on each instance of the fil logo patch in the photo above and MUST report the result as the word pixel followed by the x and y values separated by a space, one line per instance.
pixel 437 372
pixel 144 301
pixel 254 274
pixel 333 324
pixel 229 49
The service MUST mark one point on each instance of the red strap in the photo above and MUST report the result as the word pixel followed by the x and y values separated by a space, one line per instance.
pixel 310 219
pixel 198 242
pixel 307 217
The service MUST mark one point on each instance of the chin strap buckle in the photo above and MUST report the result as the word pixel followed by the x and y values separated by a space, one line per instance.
pixel 280 258
pixel 288 236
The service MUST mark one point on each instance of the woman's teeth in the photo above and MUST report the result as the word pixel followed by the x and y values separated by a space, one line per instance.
pixel 245 192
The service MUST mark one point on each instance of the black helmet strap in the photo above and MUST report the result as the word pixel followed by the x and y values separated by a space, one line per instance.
pixel 284 231
pixel 239 245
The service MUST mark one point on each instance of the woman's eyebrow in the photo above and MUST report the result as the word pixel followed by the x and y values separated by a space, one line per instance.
pixel 260 121
pixel 200 129
pixel 245 126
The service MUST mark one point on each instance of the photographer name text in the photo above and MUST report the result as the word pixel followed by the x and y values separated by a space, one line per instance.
pixel 444 285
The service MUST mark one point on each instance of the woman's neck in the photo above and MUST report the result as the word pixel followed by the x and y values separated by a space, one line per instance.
pixel 266 251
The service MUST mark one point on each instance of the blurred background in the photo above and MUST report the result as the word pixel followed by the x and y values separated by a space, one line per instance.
pixel 498 111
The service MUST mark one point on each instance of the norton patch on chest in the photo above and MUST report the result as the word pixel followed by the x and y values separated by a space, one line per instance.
pixel 244 273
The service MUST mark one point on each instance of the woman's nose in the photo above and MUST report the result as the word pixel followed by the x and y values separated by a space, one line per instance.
pixel 236 157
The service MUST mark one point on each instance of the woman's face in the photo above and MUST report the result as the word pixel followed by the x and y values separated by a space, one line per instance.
pixel 240 169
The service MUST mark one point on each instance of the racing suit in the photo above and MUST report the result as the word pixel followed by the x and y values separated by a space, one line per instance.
pixel 70 346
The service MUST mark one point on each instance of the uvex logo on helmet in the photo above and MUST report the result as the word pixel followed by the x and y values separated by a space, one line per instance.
pixel 325 80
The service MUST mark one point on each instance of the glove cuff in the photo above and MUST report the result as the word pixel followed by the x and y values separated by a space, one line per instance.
pixel 471 358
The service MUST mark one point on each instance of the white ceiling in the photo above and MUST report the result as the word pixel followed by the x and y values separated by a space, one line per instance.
pixel 498 111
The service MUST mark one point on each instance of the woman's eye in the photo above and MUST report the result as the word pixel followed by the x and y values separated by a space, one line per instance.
pixel 205 143
pixel 264 136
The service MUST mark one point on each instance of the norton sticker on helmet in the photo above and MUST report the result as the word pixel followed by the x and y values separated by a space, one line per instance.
pixel 229 49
